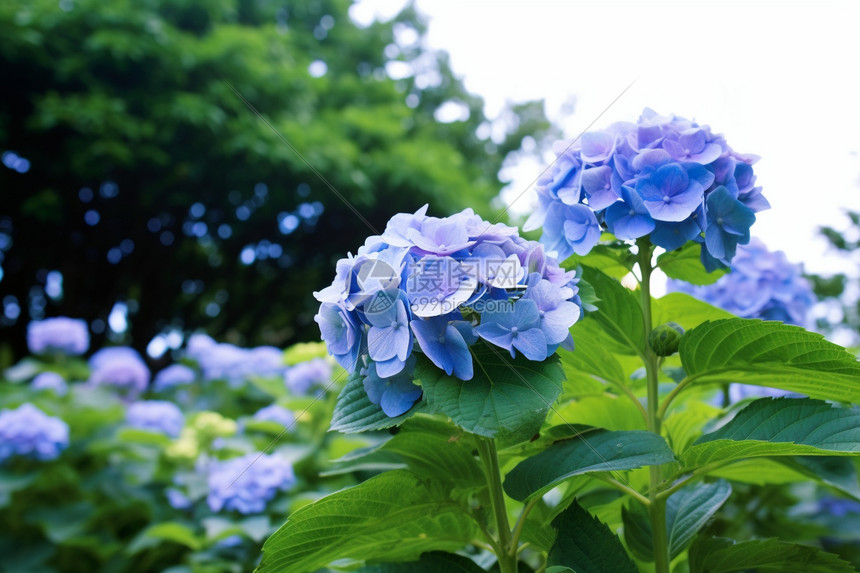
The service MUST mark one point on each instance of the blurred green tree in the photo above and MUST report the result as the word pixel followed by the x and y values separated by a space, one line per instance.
pixel 136 174
pixel 841 291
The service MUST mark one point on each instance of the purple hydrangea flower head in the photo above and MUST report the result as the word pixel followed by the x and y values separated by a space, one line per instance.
pixel 277 414
pixel 61 334
pixel 157 416
pixel 301 377
pixel 266 361
pixel 246 484
pixel 50 381
pixel 438 285
pixel 120 367
pixel 198 345
pixel 173 376
pixel 762 284
pixel 664 176
pixel 28 432
pixel 234 364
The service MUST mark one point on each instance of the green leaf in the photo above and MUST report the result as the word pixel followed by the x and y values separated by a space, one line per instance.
pixel 431 562
pixel 720 555
pixel 779 427
pixel 687 511
pixel 429 447
pixel 595 451
pixel 637 531
pixel 395 516
pixel 619 314
pixel 687 311
pixel 836 472
pixel 586 545
pixel 354 412
pixel 759 471
pixel 685 264
pixel 614 261
pixel 771 354
pixel 172 531
pixel 274 387
pixel 507 398
pixel 685 426
pixel 590 359
pixel 304 351
pixel 138 436
pixel 604 411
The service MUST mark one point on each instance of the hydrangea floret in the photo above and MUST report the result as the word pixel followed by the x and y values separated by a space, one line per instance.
pixel 28 432
pixel 663 176
pixel 436 286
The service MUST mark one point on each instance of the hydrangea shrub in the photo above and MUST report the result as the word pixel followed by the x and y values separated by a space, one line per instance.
pixel 450 329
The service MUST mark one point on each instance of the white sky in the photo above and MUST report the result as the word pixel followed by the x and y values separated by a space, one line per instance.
pixel 779 79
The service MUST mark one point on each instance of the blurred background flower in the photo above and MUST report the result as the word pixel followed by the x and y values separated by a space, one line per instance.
pixel 27 431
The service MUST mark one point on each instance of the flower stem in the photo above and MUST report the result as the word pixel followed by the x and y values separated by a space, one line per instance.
pixel 657 508
pixel 507 550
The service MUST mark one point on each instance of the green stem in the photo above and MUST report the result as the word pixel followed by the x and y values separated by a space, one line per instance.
pixel 696 474
pixel 626 391
pixel 518 528
pixel 628 490
pixel 507 549
pixel 657 507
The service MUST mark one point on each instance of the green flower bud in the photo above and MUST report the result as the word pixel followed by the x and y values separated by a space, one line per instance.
pixel 664 339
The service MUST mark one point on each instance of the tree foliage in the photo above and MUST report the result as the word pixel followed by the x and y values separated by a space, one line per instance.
pixel 151 181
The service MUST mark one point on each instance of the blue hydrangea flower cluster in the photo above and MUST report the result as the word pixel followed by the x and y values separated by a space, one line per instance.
pixel 435 286
pixel 173 376
pixel 277 414
pixel 663 176
pixel 248 483
pixel 303 376
pixel 838 507
pixel 119 367
pixel 762 284
pixel 28 432
pixel 61 334
pixel 156 416
pixel 226 361
pixel 50 381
